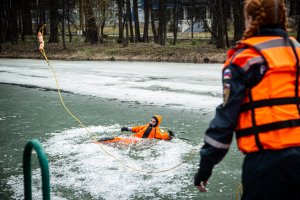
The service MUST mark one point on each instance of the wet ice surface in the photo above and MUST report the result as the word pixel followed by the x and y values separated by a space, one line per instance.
pixel 182 85
pixel 80 170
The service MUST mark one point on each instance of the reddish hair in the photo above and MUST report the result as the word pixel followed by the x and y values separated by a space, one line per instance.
pixel 263 13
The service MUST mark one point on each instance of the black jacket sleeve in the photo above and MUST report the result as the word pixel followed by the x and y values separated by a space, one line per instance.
pixel 219 134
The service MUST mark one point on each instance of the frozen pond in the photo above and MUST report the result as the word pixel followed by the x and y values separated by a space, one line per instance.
pixel 106 96
pixel 191 86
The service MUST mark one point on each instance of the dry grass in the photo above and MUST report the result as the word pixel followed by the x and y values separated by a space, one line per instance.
pixel 186 51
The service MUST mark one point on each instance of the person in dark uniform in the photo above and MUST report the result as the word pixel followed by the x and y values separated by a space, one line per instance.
pixel 261 105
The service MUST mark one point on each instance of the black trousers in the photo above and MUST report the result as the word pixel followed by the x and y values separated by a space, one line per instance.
pixel 272 175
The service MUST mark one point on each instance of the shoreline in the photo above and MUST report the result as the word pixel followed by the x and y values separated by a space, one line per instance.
pixel 137 52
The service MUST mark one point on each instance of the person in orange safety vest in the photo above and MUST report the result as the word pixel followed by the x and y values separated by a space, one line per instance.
pixel 151 130
pixel 261 105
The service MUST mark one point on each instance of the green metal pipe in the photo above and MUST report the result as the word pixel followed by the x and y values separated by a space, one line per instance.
pixel 36 145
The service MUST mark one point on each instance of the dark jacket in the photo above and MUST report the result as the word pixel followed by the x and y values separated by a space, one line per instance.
pixel 236 80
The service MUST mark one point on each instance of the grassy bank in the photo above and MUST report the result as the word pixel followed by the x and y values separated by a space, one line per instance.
pixel 191 51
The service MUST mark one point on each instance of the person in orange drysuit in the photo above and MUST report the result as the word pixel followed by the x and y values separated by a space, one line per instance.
pixel 151 130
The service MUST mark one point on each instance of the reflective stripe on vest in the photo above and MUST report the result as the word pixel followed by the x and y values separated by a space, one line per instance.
pixel 269 117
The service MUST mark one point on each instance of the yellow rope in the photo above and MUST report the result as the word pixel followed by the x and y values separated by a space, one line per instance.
pixel 41 32
pixel 239 192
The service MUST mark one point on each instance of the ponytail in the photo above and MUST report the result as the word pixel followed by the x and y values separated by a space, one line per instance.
pixel 264 13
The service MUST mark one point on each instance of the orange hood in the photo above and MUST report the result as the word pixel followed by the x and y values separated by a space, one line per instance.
pixel 158 118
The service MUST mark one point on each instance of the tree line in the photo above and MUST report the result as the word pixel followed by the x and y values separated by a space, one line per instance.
pixel 23 18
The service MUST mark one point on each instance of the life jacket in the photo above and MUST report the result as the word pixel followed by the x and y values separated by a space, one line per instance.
pixel 270 113
pixel 146 131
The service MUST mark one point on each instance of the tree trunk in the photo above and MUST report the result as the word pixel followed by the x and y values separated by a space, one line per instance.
pixel 91 28
pixel 42 15
pixel 120 18
pixel 192 20
pixel 161 22
pixel 226 16
pixel 13 23
pixel 238 21
pixel 146 24
pixel 153 23
pixel 20 22
pixel 165 32
pixel 81 15
pixel 54 22
pixel 175 22
pixel 128 11
pixel 226 34
pixel 214 26
pixel 125 44
pixel 63 23
pixel 26 18
pixel 3 22
pixel 136 21
pixel 220 36
pixel 102 19
pixel 102 25
pixel 68 16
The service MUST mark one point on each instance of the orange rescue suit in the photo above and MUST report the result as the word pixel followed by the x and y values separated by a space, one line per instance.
pixel 145 131
pixel 269 116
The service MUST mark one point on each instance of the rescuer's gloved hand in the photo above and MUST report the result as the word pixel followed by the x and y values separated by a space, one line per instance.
pixel 124 129
pixel 204 172
pixel 172 134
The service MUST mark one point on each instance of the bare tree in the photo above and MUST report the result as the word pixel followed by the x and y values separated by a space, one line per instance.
pixel 91 28
pixel 226 6
pixel 153 23
pixel 238 20
pixel 63 23
pixel 120 19
pixel 162 22
pixel 53 22
pixel 26 18
pixel 103 10
pixel 175 21
pixel 125 42
pixel 13 22
pixel 41 15
pixel 68 18
pixel 136 21
pixel 220 25
pixel 129 19
pixel 81 15
pixel 213 28
pixel 146 19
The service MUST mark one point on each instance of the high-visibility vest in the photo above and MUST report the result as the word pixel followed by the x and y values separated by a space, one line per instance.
pixel 270 115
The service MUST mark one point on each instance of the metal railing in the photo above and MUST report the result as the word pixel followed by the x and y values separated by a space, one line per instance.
pixel 36 145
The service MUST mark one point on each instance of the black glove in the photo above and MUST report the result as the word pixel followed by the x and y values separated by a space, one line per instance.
pixel 124 129
pixel 172 134
pixel 204 172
